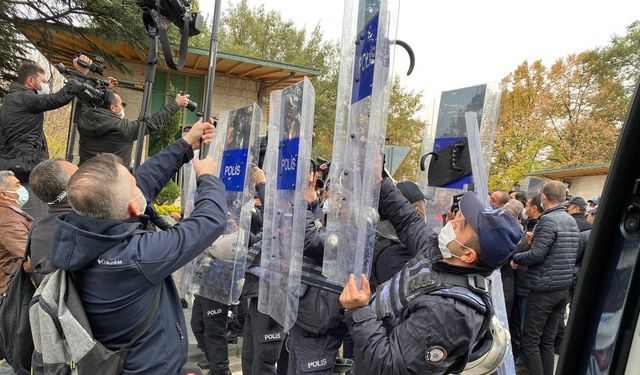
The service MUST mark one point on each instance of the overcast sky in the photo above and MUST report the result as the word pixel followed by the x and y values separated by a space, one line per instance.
pixel 467 42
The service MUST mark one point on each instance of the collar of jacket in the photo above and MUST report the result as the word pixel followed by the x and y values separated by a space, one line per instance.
pixel 17 210
pixel 15 87
pixel 446 267
pixel 556 208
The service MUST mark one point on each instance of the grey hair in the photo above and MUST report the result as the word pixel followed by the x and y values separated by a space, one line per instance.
pixel 96 190
pixel 3 178
pixel 514 207
pixel 48 181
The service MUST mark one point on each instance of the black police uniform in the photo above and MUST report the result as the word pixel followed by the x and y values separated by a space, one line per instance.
pixel 209 325
pixel 316 337
pixel 263 337
pixel 417 330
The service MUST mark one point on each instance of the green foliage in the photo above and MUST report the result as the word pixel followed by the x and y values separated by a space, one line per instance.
pixel 114 20
pixel 169 194
pixel 265 34
pixel 167 133
pixel 403 129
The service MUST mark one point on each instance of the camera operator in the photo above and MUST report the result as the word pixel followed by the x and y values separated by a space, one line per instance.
pixel 106 130
pixel 22 141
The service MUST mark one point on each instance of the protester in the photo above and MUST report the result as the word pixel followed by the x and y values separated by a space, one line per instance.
pixel 14 227
pixel 518 195
pixel 514 208
pixel 433 329
pixel 532 211
pixel 551 261
pixel 49 181
pixel 591 215
pixel 118 269
pixel 498 198
pixel 22 141
pixel 594 202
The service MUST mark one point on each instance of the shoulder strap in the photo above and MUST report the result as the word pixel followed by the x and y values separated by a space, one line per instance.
pixel 142 329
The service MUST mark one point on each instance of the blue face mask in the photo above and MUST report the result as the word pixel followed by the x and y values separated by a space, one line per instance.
pixel 23 195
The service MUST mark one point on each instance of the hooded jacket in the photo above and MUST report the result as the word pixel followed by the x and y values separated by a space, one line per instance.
pixel 104 131
pixel 21 119
pixel 117 268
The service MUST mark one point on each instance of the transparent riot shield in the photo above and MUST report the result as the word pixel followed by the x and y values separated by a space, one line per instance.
pixel 459 161
pixel 448 166
pixel 287 169
pixel 479 167
pixel 361 117
pixel 218 273
pixel 189 184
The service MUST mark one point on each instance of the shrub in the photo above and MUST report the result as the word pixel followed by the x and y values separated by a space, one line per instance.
pixel 169 194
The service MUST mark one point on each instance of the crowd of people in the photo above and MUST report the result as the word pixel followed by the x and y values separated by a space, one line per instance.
pixel 424 309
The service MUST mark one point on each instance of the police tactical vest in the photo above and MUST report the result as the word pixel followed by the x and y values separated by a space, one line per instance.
pixel 418 278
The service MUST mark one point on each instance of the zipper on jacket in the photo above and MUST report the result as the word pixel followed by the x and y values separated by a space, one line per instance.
pixel 179 331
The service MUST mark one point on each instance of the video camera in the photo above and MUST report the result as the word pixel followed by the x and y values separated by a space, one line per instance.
pixel 97 66
pixel 176 11
pixel 95 94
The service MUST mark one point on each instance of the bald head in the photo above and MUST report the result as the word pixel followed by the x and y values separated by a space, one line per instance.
pixel 103 188
pixel 49 180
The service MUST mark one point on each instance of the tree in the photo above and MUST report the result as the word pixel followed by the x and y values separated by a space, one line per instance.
pixel 521 137
pixel 114 19
pixel 264 34
pixel 404 129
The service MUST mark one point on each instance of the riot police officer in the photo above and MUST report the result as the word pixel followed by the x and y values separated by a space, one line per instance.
pixel 429 317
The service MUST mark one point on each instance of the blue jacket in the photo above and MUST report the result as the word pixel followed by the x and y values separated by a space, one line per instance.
pixel 118 269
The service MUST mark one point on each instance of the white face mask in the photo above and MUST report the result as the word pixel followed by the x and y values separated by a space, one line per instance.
pixel 141 195
pixel 524 214
pixel 44 89
pixel 446 236
pixel 122 113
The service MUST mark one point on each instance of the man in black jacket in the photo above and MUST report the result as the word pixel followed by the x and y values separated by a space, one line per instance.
pixel 22 141
pixel 424 320
pixel 551 260
pixel 49 181
pixel 106 129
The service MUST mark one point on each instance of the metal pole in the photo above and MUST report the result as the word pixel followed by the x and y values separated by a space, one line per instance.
pixel 71 137
pixel 149 78
pixel 211 72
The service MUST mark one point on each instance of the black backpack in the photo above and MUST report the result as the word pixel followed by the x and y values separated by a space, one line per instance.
pixel 15 331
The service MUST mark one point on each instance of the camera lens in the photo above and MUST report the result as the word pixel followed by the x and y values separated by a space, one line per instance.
pixel 192 106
